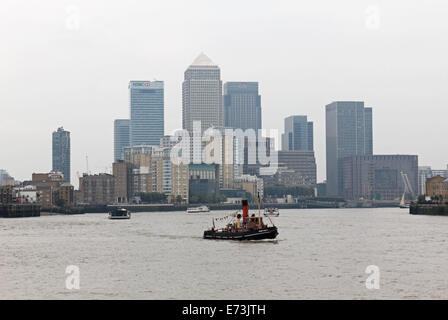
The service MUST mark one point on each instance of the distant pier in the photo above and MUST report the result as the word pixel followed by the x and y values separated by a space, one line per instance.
pixel 429 209
pixel 16 210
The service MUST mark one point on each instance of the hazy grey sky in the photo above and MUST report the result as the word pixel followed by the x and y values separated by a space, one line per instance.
pixel 68 63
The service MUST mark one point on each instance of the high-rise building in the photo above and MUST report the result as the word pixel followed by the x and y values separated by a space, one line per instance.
pixel 147 173
pixel 121 138
pixel 202 95
pixel 175 176
pixel 251 164
pixel 153 171
pixel 321 189
pixel 224 151
pixel 440 172
pixel 61 152
pixel 146 99
pixel 294 168
pixel 169 141
pixel 242 106
pixel 348 133
pixel 298 134
pixel 5 178
pixel 379 177
pixel 425 173
pixel 368 130
pixel 180 182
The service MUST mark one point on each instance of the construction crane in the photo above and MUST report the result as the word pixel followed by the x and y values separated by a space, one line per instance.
pixel 407 189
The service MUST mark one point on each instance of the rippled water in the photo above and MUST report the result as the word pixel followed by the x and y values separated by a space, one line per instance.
pixel 319 254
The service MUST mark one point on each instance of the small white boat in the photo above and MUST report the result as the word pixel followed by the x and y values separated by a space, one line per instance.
pixel 119 213
pixel 200 209
pixel 271 212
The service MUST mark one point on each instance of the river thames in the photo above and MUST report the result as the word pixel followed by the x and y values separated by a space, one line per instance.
pixel 319 254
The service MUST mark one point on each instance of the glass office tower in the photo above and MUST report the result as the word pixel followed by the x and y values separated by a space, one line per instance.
pixel 121 137
pixel 348 133
pixel 146 99
pixel 202 95
pixel 61 152
pixel 242 106
pixel 298 134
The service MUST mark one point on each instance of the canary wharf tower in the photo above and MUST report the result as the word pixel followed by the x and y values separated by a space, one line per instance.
pixel 202 95
pixel 146 99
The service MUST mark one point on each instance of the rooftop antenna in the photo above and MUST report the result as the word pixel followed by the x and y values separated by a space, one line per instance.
pixel 87 164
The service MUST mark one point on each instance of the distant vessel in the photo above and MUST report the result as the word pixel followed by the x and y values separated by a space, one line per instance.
pixel 200 209
pixel 119 213
pixel 250 228
pixel 271 212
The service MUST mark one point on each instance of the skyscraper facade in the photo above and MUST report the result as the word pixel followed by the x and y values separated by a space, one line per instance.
pixel 121 137
pixel 146 99
pixel 202 95
pixel 368 130
pixel 298 134
pixel 348 133
pixel 242 105
pixel 61 152
pixel 295 168
pixel 379 177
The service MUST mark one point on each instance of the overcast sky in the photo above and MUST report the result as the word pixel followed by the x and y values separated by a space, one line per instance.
pixel 68 63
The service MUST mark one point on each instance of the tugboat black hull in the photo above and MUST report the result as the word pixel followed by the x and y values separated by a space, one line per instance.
pixel 268 233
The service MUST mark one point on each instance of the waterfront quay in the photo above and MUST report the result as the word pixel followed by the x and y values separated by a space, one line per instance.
pixel 15 210
pixel 429 209
pixel 302 204
pixel 33 210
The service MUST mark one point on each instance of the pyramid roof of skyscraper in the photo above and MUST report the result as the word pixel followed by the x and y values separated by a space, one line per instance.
pixel 203 60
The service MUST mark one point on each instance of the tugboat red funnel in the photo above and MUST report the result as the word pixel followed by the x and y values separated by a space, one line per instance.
pixel 245 210
pixel 252 228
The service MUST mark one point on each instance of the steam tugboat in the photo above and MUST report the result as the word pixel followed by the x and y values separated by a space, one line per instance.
pixel 250 228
